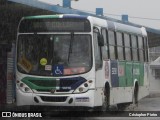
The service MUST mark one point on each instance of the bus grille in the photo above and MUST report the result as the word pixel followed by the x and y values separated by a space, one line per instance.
pixel 53 99
pixel 49 90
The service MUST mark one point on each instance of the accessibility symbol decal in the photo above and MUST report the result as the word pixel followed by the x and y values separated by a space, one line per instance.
pixel 58 70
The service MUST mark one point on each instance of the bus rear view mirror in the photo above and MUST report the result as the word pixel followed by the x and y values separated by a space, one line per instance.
pixel 100 40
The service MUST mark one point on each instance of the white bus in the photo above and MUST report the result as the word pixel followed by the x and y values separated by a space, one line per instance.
pixel 80 61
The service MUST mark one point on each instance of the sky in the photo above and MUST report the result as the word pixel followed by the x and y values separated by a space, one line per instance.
pixel 115 8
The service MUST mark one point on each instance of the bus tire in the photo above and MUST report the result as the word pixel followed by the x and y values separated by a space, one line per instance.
pixel 122 106
pixel 105 105
pixel 135 95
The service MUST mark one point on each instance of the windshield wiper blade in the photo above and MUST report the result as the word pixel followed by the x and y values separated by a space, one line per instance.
pixel 70 45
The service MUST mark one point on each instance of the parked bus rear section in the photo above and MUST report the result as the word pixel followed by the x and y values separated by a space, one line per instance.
pixel 80 61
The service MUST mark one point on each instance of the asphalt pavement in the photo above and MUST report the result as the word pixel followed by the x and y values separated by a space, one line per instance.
pixel 148 108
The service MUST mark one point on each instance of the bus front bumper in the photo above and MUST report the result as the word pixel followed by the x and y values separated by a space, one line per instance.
pixel 83 99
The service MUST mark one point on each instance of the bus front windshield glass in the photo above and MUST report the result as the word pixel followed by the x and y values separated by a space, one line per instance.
pixel 54 55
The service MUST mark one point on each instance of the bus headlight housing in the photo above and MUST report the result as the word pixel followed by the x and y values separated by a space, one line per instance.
pixel 84 87
pixel 23 87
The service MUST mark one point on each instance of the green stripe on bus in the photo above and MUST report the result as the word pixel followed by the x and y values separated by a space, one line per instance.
pixel 129 72
pixel 136 71
pixel 42 16
pixel 122 76
pixel 36 83
pixel 129 75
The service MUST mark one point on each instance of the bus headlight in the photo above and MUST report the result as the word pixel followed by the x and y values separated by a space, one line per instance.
pixel 84 87
pixel 23 87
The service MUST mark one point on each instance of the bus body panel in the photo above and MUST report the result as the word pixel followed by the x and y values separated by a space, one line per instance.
pixel 141 77
pixel 114 73
pixel 120 95
pixel 23 98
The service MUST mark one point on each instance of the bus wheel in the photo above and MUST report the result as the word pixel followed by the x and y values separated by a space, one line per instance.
pixel 135 99
pixel 135 95
pixel 105 105
pixel 122 106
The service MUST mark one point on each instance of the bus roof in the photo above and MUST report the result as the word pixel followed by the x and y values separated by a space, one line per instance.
pixel 130 29
pixel 120 27
pixel 55 16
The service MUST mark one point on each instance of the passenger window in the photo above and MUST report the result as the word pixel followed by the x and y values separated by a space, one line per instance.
pixel 141 55
pixel 128 53
pixel 111 39
pixel 97 51
pixel 127 46
pixel 134 41
pixel 141 48
pixel 119 39
pixel 120 47
pixel 104 36
pixel 120 53
pixel 135 54
pixel 134 48
pixel 140 42
pixel 105 50
pixel 126 40
pixel 112 52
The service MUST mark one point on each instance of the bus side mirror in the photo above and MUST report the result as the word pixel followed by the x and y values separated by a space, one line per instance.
pixel 100 40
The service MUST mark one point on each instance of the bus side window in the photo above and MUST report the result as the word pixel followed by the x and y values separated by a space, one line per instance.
pixel 127 46
pixel 111 40
pixel 98 60
pixel 141 49
pixel 120 46
pixel 105 50
pixel 134 48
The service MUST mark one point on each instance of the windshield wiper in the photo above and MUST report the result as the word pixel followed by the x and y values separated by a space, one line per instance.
pixel 70 45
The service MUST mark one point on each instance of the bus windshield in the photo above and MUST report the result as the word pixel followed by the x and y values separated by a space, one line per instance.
pixel 40 54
